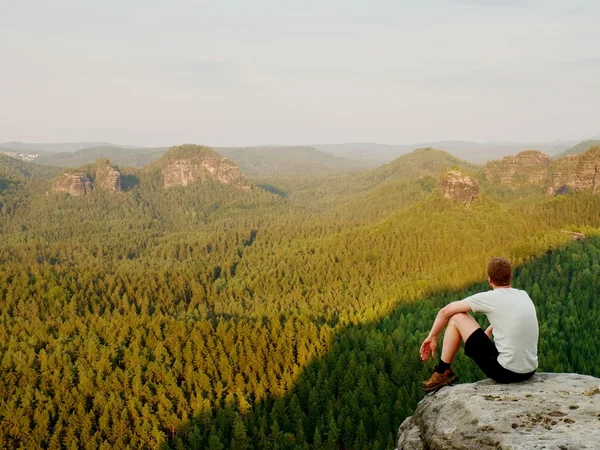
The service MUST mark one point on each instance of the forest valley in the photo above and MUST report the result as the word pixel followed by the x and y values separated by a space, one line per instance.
pixel 274 312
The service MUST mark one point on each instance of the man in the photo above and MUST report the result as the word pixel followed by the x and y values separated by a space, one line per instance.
pixel 512 357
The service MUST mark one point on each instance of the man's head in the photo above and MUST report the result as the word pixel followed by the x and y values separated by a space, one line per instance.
pixel 499 272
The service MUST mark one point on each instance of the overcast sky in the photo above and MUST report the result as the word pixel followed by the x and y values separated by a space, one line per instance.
pixel 246 72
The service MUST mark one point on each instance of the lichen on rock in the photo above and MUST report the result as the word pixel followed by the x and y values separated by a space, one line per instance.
pixel 550 411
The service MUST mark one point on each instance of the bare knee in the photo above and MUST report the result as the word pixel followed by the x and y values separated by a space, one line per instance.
pixel 457 317
pixel 464 324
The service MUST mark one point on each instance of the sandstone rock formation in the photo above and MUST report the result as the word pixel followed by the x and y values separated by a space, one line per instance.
pixel 107 177
pixel 530 166
pixel 73 183
pixel 570 173
pixel 563 175
pixel 577 172
pixel 190 163
pixel 100 175
pixel 458 187
pixel 550 411
pixel 586 173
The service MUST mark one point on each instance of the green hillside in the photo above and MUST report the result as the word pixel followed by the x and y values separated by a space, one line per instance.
pixel 14 168
pixel 261 161
pixel 580 148
pixel 378 186
pixel 136 157
pixel 421 162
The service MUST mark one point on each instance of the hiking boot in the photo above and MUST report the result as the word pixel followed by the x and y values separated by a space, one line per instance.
pixel 439 380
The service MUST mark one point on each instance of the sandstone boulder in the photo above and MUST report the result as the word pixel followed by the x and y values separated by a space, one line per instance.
pixel 458 186
pixel 550 411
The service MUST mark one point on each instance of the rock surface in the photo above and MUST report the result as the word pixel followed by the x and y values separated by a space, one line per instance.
pixel 73 183
pixel 570 173
pixel 190 163
pixel 108 178
pixel 85 179
pixel 528 167
pixel 550 411
pixel 564 173
pixel 458 186
pixel 577 172
pixel 588 167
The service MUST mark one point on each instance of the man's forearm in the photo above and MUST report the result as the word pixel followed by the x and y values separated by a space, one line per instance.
pixel 438 325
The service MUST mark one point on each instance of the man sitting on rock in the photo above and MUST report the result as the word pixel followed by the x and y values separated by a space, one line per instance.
pixel 512 357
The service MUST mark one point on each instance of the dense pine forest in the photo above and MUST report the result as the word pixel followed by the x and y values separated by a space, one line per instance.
pixel 286 316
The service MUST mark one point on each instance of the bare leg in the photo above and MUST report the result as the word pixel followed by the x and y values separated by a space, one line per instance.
pixel 459 328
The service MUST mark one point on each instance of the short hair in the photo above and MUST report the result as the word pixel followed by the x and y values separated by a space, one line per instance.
pixel 500 271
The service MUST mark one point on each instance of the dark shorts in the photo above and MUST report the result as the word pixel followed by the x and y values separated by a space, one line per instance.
pixel 483 351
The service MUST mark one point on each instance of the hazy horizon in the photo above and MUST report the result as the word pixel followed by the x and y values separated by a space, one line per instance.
pixel 295 72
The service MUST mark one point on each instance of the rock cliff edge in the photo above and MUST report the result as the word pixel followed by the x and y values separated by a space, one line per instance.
pixel 550 411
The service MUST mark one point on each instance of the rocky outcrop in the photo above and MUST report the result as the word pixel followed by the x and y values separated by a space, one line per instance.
pixel 532 167
pixel 588 166
pixel 564 172
pixel 550 411
pixel 73 183
pixel 528 167
pixel 577 172
pixel 108 178
pixel 458 186
pixel 100 175
pixel 191 163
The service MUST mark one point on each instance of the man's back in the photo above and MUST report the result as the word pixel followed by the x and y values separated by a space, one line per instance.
pixel 512 315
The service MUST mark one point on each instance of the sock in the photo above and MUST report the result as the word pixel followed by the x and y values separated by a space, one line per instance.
pixel 442 366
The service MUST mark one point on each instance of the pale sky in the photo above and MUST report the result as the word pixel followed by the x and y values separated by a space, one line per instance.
pixel 248 72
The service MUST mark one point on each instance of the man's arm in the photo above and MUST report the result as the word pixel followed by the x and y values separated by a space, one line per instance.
pixel 430 344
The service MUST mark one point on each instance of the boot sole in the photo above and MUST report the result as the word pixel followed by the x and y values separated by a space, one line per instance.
pixel 441 385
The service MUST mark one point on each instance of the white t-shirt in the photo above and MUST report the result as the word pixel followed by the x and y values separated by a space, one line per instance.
pixel 512 314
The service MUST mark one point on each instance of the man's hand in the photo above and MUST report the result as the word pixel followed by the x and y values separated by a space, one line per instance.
pixel 428 348
pixel 489 331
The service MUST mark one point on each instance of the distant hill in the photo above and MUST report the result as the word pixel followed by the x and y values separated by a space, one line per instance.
pixel 14 169
pixel 258 161
pixel 253 161
pixel 580 148
pixel 54 147
pixel 366 151
pixel 136 157
pixel 419 163
pixel 473 152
